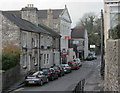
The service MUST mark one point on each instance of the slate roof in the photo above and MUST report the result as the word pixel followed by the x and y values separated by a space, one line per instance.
pixel 16 13
pixel 28 26
pixel 55 12
pixel 78 33
pixel 53 33
pixel 41 13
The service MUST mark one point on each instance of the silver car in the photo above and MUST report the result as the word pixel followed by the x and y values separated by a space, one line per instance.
pixel 66 67
pixel 36 78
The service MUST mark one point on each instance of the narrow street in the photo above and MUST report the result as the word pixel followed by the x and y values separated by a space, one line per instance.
pixel 68 82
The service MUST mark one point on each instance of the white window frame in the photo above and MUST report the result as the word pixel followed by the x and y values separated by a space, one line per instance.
pixel 44 59
pixel 24 39
pixel 35 39
pixel 24 60
pixel 47 58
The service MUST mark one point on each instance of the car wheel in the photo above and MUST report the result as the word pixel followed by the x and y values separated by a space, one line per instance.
pixel 57 77
pixel 47 80
pixel 60 75
pixel 26 84
pixel 41 82
pixel 52 78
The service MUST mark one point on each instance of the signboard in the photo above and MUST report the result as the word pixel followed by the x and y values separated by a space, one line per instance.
pixel 92 46
pixel 75 42
pixel 67 37
pixel 111 0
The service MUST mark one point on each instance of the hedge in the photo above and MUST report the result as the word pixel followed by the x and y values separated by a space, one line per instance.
pixel 10 57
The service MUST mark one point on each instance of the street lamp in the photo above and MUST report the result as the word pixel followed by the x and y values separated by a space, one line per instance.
pixel 102 44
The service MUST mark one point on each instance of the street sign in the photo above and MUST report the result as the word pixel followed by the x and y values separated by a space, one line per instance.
pixel 92 46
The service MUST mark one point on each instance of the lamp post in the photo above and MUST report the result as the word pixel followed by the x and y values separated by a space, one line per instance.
pixel 102 45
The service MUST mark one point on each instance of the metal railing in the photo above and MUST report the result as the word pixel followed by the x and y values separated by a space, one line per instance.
pixel 79 88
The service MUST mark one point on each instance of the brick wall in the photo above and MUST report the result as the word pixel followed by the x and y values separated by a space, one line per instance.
pixel 112 64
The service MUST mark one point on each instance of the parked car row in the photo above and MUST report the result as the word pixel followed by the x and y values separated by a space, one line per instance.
pixel 49 74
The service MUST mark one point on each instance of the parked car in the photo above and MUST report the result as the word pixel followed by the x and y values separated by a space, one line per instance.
pixel 74 65
pixel 77 60
pixel 36 78
pixel 94 57
pixel 50 73
pixel 91 57
pixel 66 67
pixel 59 70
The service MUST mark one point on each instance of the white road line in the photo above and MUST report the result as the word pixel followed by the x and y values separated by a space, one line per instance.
pixel 19 89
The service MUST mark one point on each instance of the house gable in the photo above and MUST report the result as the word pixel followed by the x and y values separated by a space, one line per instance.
pixel 65 15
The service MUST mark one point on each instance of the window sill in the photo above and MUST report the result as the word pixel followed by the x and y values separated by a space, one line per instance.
pixel 24 67
pixel 35 64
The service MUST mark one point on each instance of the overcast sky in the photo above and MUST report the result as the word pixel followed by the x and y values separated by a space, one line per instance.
pixel 77 8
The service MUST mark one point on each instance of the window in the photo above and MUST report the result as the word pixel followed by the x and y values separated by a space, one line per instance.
pixel 24 39
pixel 35 41
pixel 24 60
pixel 44 58
pixel 35 60
pixel 47 58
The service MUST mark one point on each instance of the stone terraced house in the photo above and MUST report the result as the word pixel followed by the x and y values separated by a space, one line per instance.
pixel 40 45
pixel 57 19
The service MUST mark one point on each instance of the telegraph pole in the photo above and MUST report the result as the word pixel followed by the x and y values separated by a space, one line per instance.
pixel 102 45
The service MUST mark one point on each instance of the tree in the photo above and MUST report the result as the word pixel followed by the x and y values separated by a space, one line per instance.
pixel 115 32
pixel 92 24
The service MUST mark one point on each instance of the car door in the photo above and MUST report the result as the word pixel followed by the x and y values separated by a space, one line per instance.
pixel 42 77
pixel 53 72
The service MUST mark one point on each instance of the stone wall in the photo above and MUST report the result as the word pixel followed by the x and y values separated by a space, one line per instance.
pixel 112 64
pixel 10 77
pixel 10 32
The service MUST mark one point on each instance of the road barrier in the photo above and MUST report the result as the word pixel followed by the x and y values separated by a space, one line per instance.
pixel 79 88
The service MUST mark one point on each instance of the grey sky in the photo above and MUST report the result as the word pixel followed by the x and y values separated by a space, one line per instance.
pixel 77 8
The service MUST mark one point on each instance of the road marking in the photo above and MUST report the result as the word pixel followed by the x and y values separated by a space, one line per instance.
pixel 19 89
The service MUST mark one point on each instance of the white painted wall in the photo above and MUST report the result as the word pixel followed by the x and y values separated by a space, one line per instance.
pixel 86 45
pixel 109 10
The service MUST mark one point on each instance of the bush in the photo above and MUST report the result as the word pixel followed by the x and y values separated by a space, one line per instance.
pixel 115 32
pixel 10 57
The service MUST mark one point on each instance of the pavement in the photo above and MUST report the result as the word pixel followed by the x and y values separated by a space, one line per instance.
pixel 94 81
pixel 17 85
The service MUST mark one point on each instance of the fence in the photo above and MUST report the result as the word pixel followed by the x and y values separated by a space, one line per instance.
pixel 79 87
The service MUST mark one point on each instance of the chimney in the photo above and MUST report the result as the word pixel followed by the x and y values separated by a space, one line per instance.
pixel 50 18
pixel 30 13
pixel 30 5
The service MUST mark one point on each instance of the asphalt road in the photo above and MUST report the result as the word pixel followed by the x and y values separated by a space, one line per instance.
pixel 67 82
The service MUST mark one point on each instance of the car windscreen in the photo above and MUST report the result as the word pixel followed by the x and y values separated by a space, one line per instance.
pixel 72 64
pixel 36 73
pixel 45 70
pixel 56 68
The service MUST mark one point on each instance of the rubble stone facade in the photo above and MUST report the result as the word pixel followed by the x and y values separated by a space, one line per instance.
pixel 112 66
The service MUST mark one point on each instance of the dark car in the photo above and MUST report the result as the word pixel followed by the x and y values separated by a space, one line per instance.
pixel 89 58
pixel 36 78
pixel 66 67
pixel 50 73
pixel 74 65
pixel 59 70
